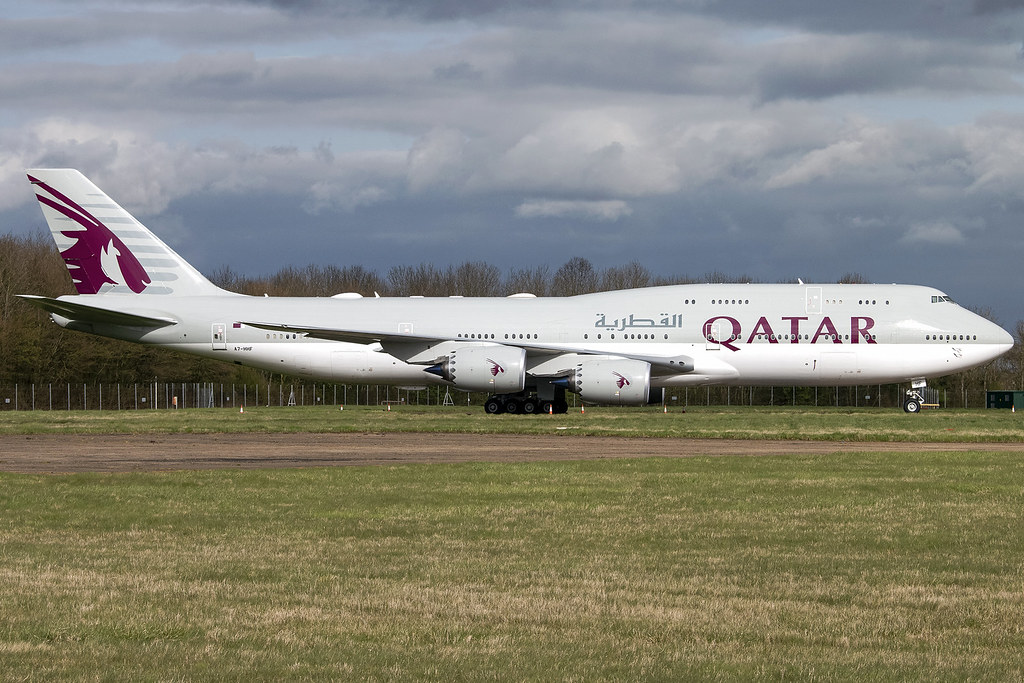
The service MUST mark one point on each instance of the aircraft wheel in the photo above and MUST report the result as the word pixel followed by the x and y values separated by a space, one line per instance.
pixel 493 406
pixel 512 406
pixel 912 406
pixel 547 407
pixel 530 406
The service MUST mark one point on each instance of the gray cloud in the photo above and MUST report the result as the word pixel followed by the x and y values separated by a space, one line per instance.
pixel 783 139
pixel 829 66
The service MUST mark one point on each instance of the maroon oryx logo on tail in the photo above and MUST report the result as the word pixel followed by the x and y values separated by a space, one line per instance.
pixel 621 381
pixel 495 368
pixel 98 256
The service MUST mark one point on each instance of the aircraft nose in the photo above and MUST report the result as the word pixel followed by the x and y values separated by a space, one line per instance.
pixel 999 337
pixel 1005 338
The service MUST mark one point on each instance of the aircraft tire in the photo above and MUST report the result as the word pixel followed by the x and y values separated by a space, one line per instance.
pixel 530 406
pixel 493 406
pixel 512 406
pixel 547 407
pixel 912 406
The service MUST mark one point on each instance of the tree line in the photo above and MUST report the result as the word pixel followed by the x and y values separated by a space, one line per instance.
pixel 472 278
pixel 34 349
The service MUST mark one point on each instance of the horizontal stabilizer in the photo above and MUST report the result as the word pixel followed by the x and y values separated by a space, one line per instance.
pixel 94 314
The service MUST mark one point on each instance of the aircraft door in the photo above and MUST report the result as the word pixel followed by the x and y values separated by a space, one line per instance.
pixel 219 336
pixel 713 335
pixel 813 300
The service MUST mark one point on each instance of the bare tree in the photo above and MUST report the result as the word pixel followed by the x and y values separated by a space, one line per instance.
pixel 663 280
pixel 357 279
pixel 576 276
pixel 718 277
pixel 477 278
pixel 528 281
pixel 422 280
pixel 630 276
pixel 226 278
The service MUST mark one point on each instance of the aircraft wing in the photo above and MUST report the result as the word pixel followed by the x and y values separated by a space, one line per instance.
pixel 72 310
pixel 660 364
pixel 331 334
pixel 361 337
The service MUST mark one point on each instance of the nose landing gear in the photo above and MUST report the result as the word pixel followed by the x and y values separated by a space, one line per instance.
pixel 918 397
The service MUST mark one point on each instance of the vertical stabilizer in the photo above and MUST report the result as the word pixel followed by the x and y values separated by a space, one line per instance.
pixel 105 249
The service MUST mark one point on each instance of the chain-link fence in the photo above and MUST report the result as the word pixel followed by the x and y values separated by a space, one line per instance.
pixel 864 396
pixel 159 395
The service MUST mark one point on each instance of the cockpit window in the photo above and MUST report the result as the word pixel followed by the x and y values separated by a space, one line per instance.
pixel 941 299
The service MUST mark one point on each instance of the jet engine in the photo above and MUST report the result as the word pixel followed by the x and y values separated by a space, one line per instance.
pixel 619 381
pixel 484 367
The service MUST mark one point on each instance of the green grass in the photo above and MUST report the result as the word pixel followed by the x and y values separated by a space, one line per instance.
pixel 862 566
pixel 829 424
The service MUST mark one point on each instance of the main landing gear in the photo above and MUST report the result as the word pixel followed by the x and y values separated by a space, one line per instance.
pixel 526 403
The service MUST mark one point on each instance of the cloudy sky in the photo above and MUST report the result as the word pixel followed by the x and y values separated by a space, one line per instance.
pixel 782 139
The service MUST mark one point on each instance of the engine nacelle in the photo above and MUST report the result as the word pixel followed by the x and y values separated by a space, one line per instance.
pixel 484 367
pixel 609 380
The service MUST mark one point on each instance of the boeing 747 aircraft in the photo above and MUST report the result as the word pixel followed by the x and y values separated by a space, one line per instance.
pixel 621 347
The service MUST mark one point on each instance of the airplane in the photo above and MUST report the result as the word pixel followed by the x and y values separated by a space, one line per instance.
pixel 619 347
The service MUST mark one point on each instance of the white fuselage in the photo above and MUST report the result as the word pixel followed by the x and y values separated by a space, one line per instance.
pixel 738 334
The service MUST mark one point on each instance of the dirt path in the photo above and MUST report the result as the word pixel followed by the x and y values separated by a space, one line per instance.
pixel 154 452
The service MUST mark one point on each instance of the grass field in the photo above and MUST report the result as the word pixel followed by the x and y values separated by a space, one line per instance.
pixel 830 424
pixel 860 566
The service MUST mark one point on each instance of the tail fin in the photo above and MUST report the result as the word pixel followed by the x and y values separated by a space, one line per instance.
pixel 105 249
